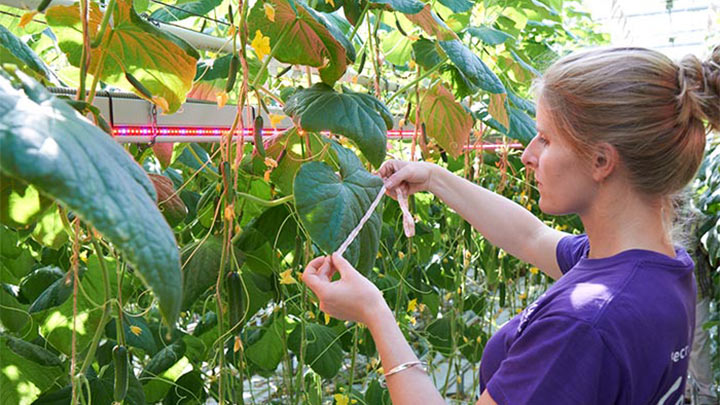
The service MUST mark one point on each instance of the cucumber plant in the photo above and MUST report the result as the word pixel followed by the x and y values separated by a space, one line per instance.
pixel 170 274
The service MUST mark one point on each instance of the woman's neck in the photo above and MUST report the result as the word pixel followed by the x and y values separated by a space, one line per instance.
pixel 620 220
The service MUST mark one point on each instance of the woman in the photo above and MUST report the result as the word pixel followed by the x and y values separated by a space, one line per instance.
pixel 620 132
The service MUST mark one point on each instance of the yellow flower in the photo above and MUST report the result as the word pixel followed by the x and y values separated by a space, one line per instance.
pixel 269 11
pixel 229 212
pixel 276 118
pixel 401 255
pixel 270 162
pixel 135 330
pixel 327 318
pixel 413 320
pixel 412 304
pixel 238 344
pixel 518 310
pixel 534 270
pixel 222 99
pixel 261 45
pixel 341 399
pixel 287 278
pixel 330 2
pixel 523 295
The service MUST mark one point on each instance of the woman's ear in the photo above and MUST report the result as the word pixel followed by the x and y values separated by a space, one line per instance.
pixel 605 161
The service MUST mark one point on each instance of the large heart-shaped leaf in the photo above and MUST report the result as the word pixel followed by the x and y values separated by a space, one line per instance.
pixel 330 206
pixel 306 40
pixel 426 53
pixel 445 119
pixel 489 35
pixel 473 69
pixel 162 62
pixel 360 117
pixel 45 142
pixel 267 352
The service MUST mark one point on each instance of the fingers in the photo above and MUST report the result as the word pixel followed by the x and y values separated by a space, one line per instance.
pixel 314 275
pixel 343 266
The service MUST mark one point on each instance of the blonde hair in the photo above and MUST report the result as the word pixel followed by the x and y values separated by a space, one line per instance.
pixel 649 108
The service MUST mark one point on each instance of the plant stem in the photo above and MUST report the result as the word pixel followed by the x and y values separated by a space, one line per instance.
pixel 359 21
pixel 106 308
pixel 353 355
pixel 98 69
pixel 103 25
pixel 266 203
pixel 412 83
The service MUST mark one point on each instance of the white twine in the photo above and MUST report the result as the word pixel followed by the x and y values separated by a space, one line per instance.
pixel 408 221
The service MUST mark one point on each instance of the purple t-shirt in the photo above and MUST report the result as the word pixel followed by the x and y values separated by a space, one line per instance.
pixel 616 330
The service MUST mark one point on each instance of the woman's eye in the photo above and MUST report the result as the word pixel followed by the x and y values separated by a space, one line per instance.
pixel 542 140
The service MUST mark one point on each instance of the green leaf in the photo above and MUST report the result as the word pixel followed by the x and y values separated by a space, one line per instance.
pixel 426 53
pixel 267 352
pixel 20 203
pixel 470 65
pixel 330 207
pixel 489 36
pixel 439 336
pixel 163 360
pixel 46 143
pixel 523 104
pixel 22 380
pixel 13 50
pixel 14 316
pixel 56 294
pixel 458 6
pixel 32 352
pixel 182 11
pixel 403 6
pixel 360 117
pixel 214 69
pixel 38 281
pixel 396 48
pixel 189 388
pixel 522 126
pixel 326 6
pixel 307 41
pixel 445 119
pixel 10 19
pixel 162 62
pixel 322 350
pixel 201 264
pixel 49 230
pixel 143 340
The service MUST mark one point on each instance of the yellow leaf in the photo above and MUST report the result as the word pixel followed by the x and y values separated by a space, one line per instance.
pixel 287 278
pixel 269 11
pixel 412 304
pixel 276 118
pixel 341 399
pixel 26 18
pixel 135 330
pixel 222 98
pixel 261 45
pixel 327 319
pixel 497 109
pixel 162 103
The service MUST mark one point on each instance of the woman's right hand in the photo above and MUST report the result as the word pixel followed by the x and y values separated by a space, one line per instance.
pixel 411 176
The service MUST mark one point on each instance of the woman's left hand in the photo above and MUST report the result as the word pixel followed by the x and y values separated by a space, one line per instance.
pixel 352 298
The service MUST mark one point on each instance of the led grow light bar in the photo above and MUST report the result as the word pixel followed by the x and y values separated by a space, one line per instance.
pixel 166 134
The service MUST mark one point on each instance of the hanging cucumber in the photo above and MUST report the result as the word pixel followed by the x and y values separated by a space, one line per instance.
pixel 362 63
pixel 257 133
pixel 227 181
pixel 232 73
pixel 122 372
pixel 236 296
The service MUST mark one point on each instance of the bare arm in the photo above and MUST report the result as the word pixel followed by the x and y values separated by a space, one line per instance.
pixel 503 222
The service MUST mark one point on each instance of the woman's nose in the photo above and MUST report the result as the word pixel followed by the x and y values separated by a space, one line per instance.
pixel 529 158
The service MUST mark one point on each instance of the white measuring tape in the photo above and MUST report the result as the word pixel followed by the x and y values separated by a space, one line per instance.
pixel 408 221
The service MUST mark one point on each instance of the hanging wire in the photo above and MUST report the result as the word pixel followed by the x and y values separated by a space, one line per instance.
pixel 19 16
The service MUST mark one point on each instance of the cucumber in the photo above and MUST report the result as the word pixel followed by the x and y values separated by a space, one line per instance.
pixel 122 372
pixel 257 133
pixel 232 73
pixel 236 297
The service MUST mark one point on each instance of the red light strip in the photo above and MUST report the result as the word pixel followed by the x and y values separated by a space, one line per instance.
pixel 177 133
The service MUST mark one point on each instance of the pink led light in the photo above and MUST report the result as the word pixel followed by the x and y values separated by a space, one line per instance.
pixel 269 132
